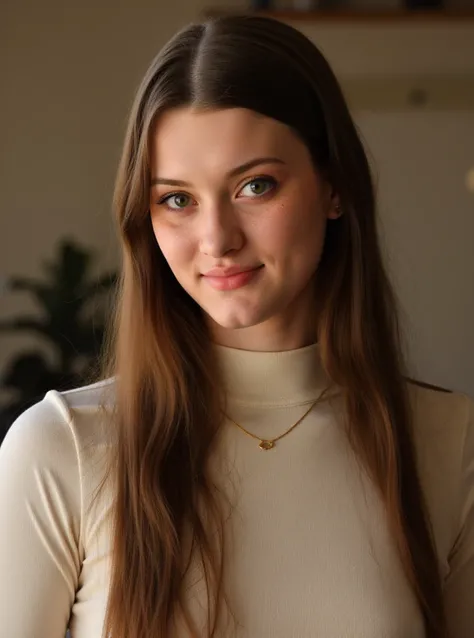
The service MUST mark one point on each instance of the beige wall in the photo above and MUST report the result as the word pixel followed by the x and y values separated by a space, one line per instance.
pixel 68 75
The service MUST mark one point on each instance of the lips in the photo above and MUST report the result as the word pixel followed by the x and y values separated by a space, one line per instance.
pixel 228 271
pixel 231 278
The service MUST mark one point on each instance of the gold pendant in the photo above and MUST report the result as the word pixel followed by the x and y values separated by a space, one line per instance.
pixel 266 445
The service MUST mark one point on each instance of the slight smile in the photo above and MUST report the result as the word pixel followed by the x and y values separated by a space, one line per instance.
pixel 231 278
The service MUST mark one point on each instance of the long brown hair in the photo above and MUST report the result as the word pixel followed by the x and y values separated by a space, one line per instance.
pixel 168 407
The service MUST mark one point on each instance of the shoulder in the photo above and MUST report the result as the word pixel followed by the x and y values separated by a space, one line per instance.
pixel 51 466
pixel 443 424
pixel 444 439
pixel 90 397
pixel 441 418
pixel 63 419
pixel 435 407
pixel 61 440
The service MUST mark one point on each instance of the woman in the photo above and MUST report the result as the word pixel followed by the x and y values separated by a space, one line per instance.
pixel 258 465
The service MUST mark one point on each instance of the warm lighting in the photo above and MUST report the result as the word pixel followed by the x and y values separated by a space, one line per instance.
pixel 470 180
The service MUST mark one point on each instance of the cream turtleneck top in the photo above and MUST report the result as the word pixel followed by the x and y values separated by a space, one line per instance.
pixel 309 553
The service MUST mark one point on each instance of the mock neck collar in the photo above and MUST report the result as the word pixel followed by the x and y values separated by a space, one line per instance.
pixel 285 378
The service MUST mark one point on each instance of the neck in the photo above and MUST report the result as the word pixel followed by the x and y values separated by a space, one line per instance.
pixel 284 378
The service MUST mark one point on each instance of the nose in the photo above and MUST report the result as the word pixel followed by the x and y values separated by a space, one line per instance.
pixel 220 230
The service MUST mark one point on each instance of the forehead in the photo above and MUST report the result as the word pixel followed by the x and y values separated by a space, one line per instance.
pixel 186 136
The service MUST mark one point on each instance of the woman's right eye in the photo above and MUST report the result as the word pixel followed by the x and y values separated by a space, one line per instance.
pixel 175 201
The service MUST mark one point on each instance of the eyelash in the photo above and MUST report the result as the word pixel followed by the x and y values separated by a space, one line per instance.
pixel 259 178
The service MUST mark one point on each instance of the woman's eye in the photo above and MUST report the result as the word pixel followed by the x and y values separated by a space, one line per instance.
pixel 176 201
pixel 258 187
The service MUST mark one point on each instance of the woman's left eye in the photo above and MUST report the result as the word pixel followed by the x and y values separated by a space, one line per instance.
pixel 258 187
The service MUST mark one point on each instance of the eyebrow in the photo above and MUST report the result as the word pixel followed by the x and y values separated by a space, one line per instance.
pixel 243 168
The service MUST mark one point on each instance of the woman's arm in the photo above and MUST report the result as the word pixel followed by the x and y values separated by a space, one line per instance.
pixel 40 514
pixel 459 586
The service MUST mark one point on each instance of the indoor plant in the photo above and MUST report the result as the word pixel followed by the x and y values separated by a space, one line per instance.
pixel 71 322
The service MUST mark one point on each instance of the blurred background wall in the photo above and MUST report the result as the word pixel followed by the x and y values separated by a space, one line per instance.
pixel 68 72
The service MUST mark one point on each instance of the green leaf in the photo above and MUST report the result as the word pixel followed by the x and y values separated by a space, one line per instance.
pixel 44 293
pixel 72 266
pixel 30 375
pixel 69 321
pixel 26 284
pixel 24 324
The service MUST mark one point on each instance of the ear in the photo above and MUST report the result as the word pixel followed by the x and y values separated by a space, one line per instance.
pixel 335 210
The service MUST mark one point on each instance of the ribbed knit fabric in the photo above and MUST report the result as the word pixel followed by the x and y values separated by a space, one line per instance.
pixel 308 552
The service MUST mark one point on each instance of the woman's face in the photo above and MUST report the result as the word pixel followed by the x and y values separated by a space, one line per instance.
pixel 239 213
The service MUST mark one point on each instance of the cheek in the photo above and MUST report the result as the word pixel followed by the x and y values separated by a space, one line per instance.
pixel 174 245
pixel 294 231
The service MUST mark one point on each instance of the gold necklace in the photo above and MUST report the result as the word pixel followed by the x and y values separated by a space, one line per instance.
pixel 268 444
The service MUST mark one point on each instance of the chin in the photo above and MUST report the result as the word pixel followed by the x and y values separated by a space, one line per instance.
pixel 235 320
pixel 233 323
pixel 239 318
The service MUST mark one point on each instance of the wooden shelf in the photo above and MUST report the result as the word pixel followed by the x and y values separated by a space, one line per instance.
pixel 366 16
